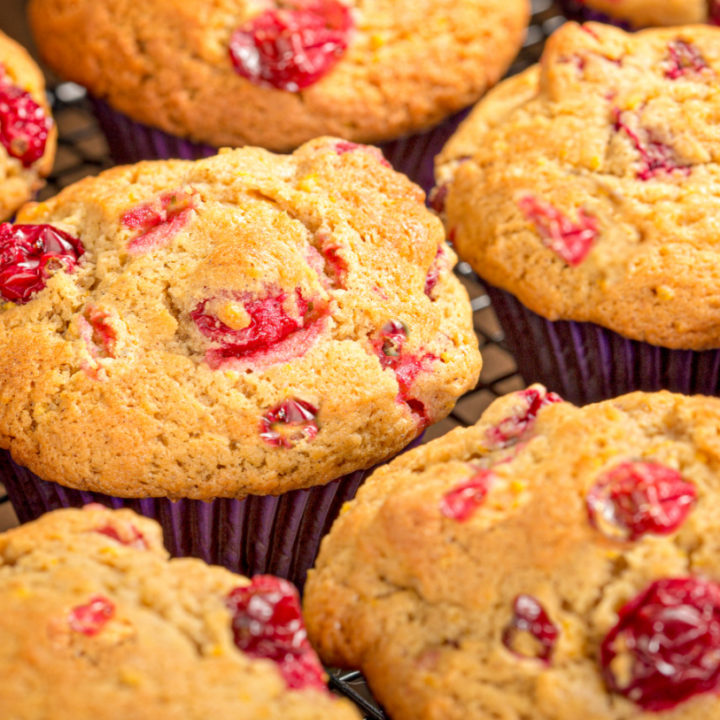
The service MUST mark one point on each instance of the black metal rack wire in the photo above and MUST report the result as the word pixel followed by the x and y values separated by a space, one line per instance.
pixel 82 151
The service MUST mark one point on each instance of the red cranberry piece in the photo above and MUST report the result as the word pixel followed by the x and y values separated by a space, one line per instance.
pixel 511 428
pixel 714 11
pixel 345 146
pixel 636 498
pixel 390 343
pixel 100 337
pixel 530 632
pixel 462 501
pixel 684 58
pixel 336 265
pixel 90 619
pixel 268 324
pixel 159 220
pixel 288 423
pixel 656 157
pixel 572 241
pixel 665 647
pixel 29 254
pixel 292 48
pixel 267 623
pixel 433 275
pixel 130 536
pixel 437 198
pixel 24 125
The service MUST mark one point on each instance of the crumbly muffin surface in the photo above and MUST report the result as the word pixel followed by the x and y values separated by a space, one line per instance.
pixel 249 323
pixel 98 624
pixel 24 119
pixel 588 185
pixel 550 562
pixel 401 65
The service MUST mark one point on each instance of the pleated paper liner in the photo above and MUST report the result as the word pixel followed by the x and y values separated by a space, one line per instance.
pixel 260 534
pixel 584 362
pixel 131 141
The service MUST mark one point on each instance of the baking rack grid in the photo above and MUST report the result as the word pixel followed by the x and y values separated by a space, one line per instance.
pixel 82 151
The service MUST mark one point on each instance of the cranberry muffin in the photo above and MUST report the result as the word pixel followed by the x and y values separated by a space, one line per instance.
pixel 176 79
pixel 585 189
pixel 249 324
pixel 644 13
pixel 27 133
pixel 550 562
pixel 98 624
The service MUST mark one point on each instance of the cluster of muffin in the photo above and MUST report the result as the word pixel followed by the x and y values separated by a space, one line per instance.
pixel 228 343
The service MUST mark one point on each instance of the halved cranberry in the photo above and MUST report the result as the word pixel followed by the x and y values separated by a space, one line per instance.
pixel 635 498
pixel 24 125
pixel 29 254
pixel 656 157
pixel 90 619
pixel 292 48
pixel 572 241
pixel 288 423
pixel 462 501
pixel 511 428
pixel 665 647
pixel 158 220
pixel 267 623
pixel 268 323
pixel 530 632
pixel 130 536
pixel 684 58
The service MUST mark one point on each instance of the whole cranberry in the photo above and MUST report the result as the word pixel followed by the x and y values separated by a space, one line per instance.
pixel 292 48
pixel 665 648
pixel 29 254
pixel 267 623
pixel 636 498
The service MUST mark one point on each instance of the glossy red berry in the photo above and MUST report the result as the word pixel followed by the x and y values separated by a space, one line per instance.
pixel 90 619
pixel 29 254
pixel 571 241
pixel 512 428
pixel 266 623
pixel 665 648
pixel 462 501
pixel 292 48
pixel 636 498
pixel 288 423
pixel 530 632
pixel 24 125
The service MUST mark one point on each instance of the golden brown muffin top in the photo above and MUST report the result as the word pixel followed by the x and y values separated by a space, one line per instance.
pixel 550 562
pixel 248 323
pixel 588 185
pixel 388 67
pixel 97 624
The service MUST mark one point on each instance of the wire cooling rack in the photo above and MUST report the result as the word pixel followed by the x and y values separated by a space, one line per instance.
pixel 82 151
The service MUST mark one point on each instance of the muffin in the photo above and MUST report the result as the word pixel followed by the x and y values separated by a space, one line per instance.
pixel 644 13
pixel 27 134
pixel 246 325
pixel 97 624
pixel 550 562
pixel 179 80
pixel 584 191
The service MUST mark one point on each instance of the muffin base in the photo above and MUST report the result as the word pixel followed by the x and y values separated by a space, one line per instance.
pixel 259 534
pixel 574 10
pixel 584 362
pixel 131 141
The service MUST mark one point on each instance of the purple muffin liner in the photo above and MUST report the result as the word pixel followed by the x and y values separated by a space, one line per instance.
pixel 574 10
pixel 584 362
pixel 131 141
pixel 260 534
